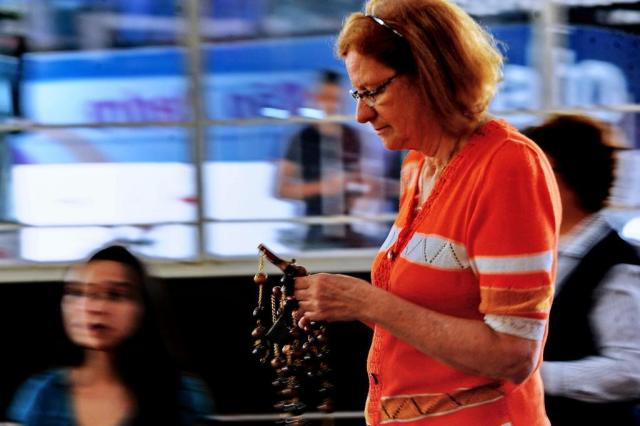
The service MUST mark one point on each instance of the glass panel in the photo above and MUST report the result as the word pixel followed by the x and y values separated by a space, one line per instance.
pixel 625 195
pixel 134 178
pixel 284 17
pixel 90 24
pixel 135 85
pixel 66 244
pixel 599 65
pixel 513 27
pixel 325 171
pixel 232 19
pixel 269 78
pixel 293 239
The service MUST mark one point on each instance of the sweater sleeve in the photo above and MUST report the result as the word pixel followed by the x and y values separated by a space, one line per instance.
pixel 512 234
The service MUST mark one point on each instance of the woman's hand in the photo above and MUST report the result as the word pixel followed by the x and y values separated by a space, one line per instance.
pixel 331 297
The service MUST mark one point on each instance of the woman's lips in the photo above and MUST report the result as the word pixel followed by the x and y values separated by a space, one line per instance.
pixel 98 328
pixel 381 129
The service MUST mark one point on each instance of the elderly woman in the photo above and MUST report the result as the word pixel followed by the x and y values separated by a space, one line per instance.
pixel 462 286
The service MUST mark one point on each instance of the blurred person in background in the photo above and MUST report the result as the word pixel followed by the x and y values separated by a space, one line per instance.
pixel 463 285
pixel 322 167
pixel 591 369
pixel 121 369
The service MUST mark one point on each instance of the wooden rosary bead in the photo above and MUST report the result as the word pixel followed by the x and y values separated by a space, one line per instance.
pixel 289 392
pixel 295 332
pixel 258 332
pixel 260 352
pixel 260 278
pixel 326 406
pixel 287 349
pixel 285 370
pixel 294 408
pixel 277 362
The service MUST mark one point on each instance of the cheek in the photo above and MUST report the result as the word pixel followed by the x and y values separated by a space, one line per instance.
pixel 71 313
pixel 129 317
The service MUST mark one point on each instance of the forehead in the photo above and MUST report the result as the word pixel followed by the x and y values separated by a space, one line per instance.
pixel 329 89
pixel 364 70
pixel 101 271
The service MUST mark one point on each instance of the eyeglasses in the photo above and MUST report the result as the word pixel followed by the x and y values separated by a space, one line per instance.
pixel 369 96
pixel 380 21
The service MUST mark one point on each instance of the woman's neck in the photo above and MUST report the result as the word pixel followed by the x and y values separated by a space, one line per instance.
pixel 447 145
pixel 98 366
pixel 441 152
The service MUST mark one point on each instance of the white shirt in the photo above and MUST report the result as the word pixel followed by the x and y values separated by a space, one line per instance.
pixel 614 375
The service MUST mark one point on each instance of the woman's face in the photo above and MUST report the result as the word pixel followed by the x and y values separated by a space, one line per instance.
pixel 101 305
pixel 398 116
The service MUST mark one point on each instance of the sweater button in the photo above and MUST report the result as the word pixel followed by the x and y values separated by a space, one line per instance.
pixel 391 255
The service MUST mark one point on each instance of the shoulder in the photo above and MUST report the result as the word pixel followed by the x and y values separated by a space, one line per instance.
pixel 349 131
pixel 506 146
pixel 308 132
pixel 194 397
pixel 36 394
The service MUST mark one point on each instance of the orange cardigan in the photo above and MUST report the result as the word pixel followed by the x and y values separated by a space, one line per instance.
pixel 482 247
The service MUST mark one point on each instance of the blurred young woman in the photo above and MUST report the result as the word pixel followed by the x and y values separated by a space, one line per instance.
pixel 123 372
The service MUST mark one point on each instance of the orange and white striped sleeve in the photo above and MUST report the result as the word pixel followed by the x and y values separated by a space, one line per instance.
pixel 512 237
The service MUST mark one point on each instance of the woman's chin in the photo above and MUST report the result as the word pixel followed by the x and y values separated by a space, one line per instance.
pixel 392 144
pixel 93 345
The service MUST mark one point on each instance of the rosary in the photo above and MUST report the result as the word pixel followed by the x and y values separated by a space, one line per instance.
pixel 299 356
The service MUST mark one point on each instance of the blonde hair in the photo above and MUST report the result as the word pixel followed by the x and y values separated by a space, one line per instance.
pixel 454 62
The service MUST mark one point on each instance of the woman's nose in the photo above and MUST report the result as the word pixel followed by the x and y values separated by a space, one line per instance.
pixel 364 113
pixel 94 303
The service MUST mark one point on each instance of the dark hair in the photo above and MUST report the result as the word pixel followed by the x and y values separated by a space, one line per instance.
pixel 582 153
pixel 148 361
pixel 330 77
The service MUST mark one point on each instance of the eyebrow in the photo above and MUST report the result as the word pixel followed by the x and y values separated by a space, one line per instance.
pixel 122 284
pixel 125 284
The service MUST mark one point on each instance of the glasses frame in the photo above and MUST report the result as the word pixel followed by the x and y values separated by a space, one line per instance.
pixel 369 96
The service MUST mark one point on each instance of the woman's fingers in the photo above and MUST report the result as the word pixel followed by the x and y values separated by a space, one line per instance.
pixel 305 305
pixel 302 294
pixel 302 283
